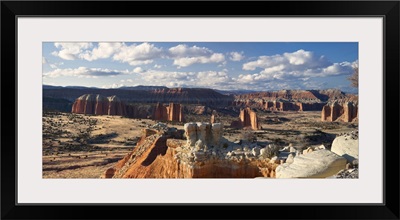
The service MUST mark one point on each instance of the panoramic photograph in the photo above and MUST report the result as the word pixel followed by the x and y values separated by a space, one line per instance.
pixel 260 110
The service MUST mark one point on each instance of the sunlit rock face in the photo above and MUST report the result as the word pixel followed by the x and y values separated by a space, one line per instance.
pixel 172 112
pixel 346 112
pixel 203 154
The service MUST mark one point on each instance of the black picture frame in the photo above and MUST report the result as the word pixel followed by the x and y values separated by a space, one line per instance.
pixel 11 10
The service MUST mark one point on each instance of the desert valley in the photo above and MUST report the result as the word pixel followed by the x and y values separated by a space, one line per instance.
pixel 161 132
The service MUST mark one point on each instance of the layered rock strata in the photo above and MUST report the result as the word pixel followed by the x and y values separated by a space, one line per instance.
pixel 346 112
pixel 173 112
pixel 247 119
pixel 204 154
pixel 99 105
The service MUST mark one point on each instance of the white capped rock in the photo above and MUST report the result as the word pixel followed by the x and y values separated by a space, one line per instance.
pixel 274 159
pixel 346 147
pixel 191 133
pixel 256 151
pixel 290 159
pixel 217 131
pixel 320 147
pixel 316 164
pixel 199 145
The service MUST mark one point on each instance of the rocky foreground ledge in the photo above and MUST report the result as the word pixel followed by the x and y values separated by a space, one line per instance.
pixel 200 151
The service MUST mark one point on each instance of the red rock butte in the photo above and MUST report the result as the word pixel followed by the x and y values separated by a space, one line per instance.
pixel 346 112
pixel 172 112
pixel 247 119
pixel 95 104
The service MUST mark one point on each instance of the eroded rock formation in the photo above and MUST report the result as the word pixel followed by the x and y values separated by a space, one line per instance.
pixel 116 106
pixel 95 104
pixel 214 117
pixel 172 112
pixel 249 119
pixel 204 154
pixel 346 112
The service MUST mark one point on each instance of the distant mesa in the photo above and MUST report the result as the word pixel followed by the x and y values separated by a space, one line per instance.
pixel 283 105
pixel 346 112
pixel 289 100
pixel 96 104
pixel 197 101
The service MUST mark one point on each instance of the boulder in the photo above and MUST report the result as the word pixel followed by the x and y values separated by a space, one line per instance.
pixel 316 164
pixel 346 147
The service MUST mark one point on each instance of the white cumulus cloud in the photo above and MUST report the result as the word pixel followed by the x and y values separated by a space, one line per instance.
pixel 207 79
pixel 236 56
pixel 184 56
pixel 300 64
pixel 70 51
pixel 138 70
pixel 102 51
pixel 137 54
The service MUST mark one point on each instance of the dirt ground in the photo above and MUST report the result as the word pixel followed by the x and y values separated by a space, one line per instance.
pixel 84 146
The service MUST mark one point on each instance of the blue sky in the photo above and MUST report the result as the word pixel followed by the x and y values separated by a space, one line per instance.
pixel 218 65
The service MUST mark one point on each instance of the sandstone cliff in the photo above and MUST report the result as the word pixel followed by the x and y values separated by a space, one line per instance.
pixel 346 112
pixel 172 112
pixel 91 104
pixel 99 105
pixel 249 119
